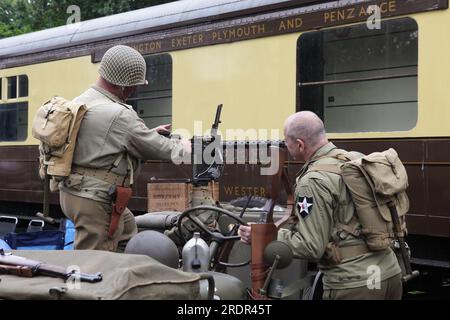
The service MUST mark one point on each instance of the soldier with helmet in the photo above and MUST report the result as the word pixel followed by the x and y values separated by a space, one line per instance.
pixel 111 142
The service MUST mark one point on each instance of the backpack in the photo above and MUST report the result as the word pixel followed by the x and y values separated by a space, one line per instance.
pixel 56 126
pixel 374 181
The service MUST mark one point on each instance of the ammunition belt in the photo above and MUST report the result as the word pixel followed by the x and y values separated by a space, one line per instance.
pixel 254 143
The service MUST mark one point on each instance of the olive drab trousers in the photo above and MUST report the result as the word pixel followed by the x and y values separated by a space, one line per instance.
pixel 91 219
pixel 389 289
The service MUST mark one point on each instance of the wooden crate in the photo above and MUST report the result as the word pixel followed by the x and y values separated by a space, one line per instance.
pixel 170 195
pixel 167 196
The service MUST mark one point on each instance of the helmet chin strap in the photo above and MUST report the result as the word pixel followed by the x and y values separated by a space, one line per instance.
pixel 122 93
pixel 124 96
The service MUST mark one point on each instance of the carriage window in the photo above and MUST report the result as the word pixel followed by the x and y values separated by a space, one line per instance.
pixel 13 121
pixel 360 80
pixel 23 86
pixel 14 115
pixel 153 103
pixel 1 90
pixel 12 87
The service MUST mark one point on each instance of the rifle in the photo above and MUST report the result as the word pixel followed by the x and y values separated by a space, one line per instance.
pixel 45 215
pixel 410 274
pixel 265 231
pixel 23 267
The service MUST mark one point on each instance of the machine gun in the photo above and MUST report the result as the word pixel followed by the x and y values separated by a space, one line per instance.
pixel 23 267
pixel 207 157
pixel 207 165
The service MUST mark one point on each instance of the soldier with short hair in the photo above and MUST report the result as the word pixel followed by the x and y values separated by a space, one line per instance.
pixel 111 142
pixel 324 208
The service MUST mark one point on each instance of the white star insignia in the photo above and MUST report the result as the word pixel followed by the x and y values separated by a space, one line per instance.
pixel 304 205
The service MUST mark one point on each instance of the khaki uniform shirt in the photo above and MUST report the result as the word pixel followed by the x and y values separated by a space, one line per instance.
pixel 110 128
pixel 321 200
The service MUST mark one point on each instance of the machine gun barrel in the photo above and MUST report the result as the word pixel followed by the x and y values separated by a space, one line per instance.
pixel 217 121
pixel 250 143
pixel 250 151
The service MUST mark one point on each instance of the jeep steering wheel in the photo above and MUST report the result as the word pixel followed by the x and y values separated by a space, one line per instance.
pixel 215 236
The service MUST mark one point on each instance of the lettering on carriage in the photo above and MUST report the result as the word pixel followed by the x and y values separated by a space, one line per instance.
pixel 352 12
pixel 290 24
pixel 188 40
pixel 238 32
pixel 283 25
pixel 147 47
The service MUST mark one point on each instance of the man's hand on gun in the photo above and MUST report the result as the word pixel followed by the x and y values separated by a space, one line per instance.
pixel 187 146
pixel 164 130
pixel 246 234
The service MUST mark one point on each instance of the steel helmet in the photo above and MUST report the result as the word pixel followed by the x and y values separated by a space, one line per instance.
pixel 155 245
pixel 123 66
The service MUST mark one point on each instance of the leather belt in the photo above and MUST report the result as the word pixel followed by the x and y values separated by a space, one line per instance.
pixel 102 174
pixel 353 251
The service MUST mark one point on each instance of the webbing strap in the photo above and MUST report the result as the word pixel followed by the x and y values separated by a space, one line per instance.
pixel 130 171
pixel 75 113
pixel 326 167
pixel 117 161
pixel 339 154
pixel 350 228
pixel 130 168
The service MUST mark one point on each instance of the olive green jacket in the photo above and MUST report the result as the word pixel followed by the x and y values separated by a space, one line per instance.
pixel 321 200
pixel 109 128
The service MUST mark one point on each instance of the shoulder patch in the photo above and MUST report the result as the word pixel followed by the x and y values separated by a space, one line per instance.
pixel 304 206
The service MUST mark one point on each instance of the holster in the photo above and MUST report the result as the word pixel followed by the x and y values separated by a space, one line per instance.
pixel 121 198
